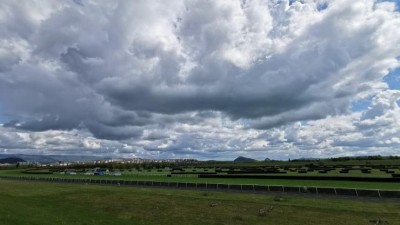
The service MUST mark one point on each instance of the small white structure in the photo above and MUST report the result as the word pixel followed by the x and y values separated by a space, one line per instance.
pixel 68 172
pixel 115 173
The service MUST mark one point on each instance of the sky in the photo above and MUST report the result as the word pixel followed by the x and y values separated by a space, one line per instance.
pixel 200 79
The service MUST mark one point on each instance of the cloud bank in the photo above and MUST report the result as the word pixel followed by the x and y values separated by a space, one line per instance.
pixel 204 79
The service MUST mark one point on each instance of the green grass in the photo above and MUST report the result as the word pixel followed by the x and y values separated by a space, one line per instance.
pixel 39 203
pixel 325 162
pixel 162 177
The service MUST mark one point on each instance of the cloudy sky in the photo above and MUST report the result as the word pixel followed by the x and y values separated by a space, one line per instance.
pixel 200 79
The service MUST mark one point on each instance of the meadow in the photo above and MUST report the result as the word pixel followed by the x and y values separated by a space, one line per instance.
pixel 156 175
pixel 24 202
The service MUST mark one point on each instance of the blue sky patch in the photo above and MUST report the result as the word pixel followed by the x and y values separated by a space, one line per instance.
pixel 393 79
pixel 322 6
pixel 360 105
pixel 291 2
pixel 395 1
pixel 304 122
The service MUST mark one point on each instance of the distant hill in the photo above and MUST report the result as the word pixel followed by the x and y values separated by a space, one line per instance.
pixel 243 159
pixel 267 159
pixel 11 160
pixel 51 158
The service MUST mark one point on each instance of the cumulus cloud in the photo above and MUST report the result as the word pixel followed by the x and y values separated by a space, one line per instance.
pixel 198 78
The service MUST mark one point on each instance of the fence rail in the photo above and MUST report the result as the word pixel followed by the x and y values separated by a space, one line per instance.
pixel 333 191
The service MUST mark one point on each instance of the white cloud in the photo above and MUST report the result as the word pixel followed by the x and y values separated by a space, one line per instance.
pixel 199 78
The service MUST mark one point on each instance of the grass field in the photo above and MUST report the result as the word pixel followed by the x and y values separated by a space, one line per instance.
pixel 162 177
pixel 33 203
pixel 327 162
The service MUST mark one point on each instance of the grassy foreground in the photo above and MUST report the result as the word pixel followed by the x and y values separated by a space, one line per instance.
pixel 38 203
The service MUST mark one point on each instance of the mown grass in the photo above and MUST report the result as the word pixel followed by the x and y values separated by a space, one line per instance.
pixel 325 162
pixel 145 176
pixel 38 203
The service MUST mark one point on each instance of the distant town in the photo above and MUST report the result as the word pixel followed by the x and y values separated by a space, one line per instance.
pixel 19 162
pixel 57 161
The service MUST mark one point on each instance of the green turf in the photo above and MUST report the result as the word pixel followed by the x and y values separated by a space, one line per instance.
pixel 191 178
pixel 36 203
pixel 324 162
